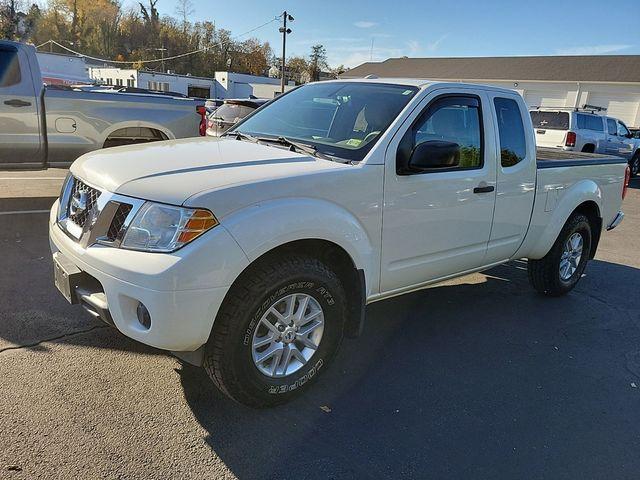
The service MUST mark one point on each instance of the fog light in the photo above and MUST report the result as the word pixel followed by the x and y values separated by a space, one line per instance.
pixel 144 317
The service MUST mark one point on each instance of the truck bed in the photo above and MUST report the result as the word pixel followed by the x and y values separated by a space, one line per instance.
pixel 555 158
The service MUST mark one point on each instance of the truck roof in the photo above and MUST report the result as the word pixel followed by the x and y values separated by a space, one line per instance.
pixel 421 83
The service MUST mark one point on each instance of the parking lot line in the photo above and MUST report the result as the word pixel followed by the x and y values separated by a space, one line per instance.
pixel 16 212
pixel 32 178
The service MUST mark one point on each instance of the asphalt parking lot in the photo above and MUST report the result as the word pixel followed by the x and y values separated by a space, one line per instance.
pixel 476 378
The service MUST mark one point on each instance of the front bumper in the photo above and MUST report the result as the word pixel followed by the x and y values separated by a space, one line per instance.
pixel 616 221
pixel 182 291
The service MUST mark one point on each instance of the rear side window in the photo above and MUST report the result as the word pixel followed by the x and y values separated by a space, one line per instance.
pixel 513 143
pixel 612 127
pixel 9 67
pixel 550 120
pixel 589 122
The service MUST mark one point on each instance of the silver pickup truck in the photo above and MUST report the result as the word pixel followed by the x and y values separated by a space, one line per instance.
pixel 42 126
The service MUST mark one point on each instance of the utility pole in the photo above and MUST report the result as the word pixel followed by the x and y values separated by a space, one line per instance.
pixel 162 50
pixel 285 31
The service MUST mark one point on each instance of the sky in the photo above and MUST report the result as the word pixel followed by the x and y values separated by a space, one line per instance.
pixel 354 32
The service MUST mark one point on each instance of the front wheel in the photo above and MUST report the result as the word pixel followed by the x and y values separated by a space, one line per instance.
pixel 634 164
pixel 558 272
pixel 281 323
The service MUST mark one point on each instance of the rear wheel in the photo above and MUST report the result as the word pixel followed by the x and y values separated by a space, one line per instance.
pixel 634 164
pixel 589 148
pixel 280 325
pixel 559 271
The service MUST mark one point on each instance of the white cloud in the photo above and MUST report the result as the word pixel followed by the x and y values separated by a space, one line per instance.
pixel 414 46
pixel 592 50
pixel 434 46
pixel 365 24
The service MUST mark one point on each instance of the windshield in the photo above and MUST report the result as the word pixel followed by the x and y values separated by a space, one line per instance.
pixel 550 120
pixel 341 119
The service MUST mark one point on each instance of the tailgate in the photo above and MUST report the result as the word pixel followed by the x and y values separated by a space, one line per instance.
pixel 550 138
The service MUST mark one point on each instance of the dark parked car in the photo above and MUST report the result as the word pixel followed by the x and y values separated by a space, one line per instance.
pixel 230 113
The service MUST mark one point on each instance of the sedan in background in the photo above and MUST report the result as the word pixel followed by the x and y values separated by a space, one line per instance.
pixel 230 113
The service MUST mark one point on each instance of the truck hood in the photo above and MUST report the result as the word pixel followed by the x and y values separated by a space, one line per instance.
pixel 172 171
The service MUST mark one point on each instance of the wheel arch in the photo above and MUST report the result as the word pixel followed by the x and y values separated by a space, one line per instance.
pixel 116 127
pixel 338 260
pixel 586 197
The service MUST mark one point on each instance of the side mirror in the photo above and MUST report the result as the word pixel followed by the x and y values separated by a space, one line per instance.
pixel 434 154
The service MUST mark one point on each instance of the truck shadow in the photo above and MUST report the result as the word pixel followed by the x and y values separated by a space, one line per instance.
pixel 445 381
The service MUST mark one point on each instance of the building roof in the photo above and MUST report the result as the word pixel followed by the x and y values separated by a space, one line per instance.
pixel 587 68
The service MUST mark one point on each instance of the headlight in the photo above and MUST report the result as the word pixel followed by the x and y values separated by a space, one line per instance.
pixel 164 228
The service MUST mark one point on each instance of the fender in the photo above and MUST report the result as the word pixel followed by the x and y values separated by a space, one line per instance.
pixel 264 226
pixel 549 224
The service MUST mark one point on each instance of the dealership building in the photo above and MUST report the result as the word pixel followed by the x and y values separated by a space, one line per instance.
pixel 608 81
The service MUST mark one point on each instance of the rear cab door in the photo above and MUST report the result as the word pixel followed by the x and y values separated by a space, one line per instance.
pixel 21 142
pixel 437 222
pixel 516 175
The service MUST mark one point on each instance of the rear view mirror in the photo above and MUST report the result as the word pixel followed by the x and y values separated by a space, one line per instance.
pixel 434 154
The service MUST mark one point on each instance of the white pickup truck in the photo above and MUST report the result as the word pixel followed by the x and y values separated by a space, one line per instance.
pixel 253 254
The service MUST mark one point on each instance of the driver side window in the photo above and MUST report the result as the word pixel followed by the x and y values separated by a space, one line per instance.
pixel 455 120
pixel 622 130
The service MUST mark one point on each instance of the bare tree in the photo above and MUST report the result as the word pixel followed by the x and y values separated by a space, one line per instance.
pixel 184 10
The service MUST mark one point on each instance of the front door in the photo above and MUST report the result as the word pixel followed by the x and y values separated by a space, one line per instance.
pixel 20 140
pixel 614 145
pixel 438 222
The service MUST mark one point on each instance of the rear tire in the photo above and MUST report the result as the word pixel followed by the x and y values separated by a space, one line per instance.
pixel 559 271
pixel 588 148
pixel 233 349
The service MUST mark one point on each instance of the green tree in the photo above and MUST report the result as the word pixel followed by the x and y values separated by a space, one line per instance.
pixel 317 61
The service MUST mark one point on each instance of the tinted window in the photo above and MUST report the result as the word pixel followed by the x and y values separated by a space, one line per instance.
pixel 550 120
pixel 513 144
pixel 456 120
pixel 595 123
pixel 342 119
pixel 622 130
pixel 612 128
pixel 589 122
pixel 9 67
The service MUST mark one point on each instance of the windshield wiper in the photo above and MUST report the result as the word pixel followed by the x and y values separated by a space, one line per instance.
pixel 241 136
pixel 299 146
pixel 293 145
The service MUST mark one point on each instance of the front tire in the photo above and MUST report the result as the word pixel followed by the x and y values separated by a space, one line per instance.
pixel 634 164
pixel 559 271
pixel 280 325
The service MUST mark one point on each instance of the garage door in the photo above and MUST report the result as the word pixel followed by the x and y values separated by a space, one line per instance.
pixel 545 98
pixel 622 106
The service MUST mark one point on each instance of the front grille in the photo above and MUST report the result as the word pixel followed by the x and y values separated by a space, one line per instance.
pixel 90 195
pixel 118 221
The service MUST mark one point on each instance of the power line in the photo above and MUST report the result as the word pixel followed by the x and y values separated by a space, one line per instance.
pixel 120 62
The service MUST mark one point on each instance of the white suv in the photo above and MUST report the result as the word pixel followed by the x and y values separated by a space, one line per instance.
pixel 585 131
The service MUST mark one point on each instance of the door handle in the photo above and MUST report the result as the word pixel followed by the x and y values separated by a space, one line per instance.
pixel 484 189
pixel 17 103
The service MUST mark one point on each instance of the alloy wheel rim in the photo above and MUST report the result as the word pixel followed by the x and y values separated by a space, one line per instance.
pixel 571 255
pixel 288 335
pixel 635 166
